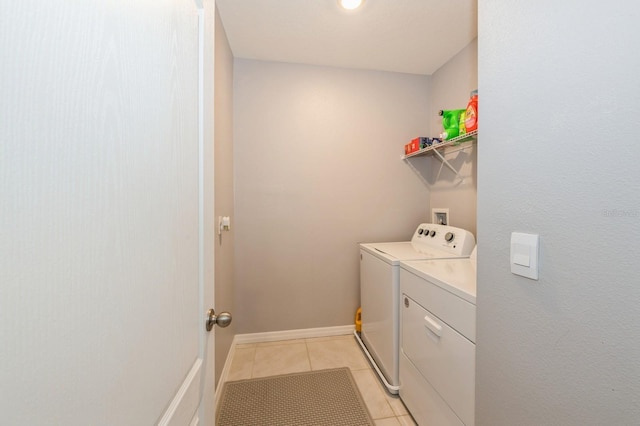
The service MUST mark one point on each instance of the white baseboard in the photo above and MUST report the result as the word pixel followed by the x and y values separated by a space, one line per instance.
pixel 273 336
pixel 225 372
pixel 305 333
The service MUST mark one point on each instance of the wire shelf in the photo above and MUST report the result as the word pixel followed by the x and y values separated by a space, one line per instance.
pixel 451 142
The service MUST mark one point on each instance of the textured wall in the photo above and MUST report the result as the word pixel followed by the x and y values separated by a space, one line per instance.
pixel 559 157
pixel 317 170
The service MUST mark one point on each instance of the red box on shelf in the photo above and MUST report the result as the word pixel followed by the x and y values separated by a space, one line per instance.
pixel 416 145
pixel 412 146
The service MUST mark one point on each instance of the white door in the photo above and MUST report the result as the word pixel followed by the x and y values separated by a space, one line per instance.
pixel 101 214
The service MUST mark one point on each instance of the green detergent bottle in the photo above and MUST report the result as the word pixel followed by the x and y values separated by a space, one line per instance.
pixel 461 127
pixel 450 122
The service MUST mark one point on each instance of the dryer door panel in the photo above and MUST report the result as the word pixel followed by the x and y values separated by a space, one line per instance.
pixel 444 357
pixel 423 402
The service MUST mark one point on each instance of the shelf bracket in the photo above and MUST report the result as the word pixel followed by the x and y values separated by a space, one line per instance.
pixel 435 149
pixel 445 162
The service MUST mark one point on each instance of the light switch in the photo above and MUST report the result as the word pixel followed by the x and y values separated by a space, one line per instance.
pixel 521 255
pixel 524 254
pixel 224 224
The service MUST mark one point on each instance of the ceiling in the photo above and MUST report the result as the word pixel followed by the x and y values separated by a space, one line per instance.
pixel 408 36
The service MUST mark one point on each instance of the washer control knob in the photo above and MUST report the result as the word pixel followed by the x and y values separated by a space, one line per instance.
pixel 433 234
pixel 420 231
pixel 449 236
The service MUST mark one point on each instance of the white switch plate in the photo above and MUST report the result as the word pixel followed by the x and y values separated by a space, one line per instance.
pixel 224 224
pixel 525 249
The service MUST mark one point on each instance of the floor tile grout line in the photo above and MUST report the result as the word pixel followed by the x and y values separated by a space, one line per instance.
pixel 253 361
pixel 306 346
pixel 368 367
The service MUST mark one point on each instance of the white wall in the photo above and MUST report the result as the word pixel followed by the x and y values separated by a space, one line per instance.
pixel 317 170
pixel 224 201
pixel 451 85
pixel 559 157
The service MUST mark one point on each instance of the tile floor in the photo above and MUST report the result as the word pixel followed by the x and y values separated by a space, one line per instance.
pixel 291 356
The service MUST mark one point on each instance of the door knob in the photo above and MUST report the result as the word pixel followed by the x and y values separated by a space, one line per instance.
pixel 223 319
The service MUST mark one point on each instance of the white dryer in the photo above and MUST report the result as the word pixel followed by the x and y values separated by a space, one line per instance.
pixel 437 340
pixel 380 290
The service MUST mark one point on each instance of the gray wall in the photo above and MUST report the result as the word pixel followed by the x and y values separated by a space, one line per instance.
pixel 559 157
pixel 451 85
pixel 224 201
pixel 317 170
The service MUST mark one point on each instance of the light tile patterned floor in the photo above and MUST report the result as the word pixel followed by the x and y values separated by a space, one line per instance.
pixel 291 356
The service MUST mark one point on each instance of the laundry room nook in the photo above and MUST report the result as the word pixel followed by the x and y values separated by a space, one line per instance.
pixel 320 166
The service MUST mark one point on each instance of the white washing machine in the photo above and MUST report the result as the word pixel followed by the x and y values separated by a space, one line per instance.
pixel 437 340
pixel 380 290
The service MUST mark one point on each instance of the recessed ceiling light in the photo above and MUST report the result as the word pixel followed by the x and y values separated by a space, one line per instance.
pixel 350 4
